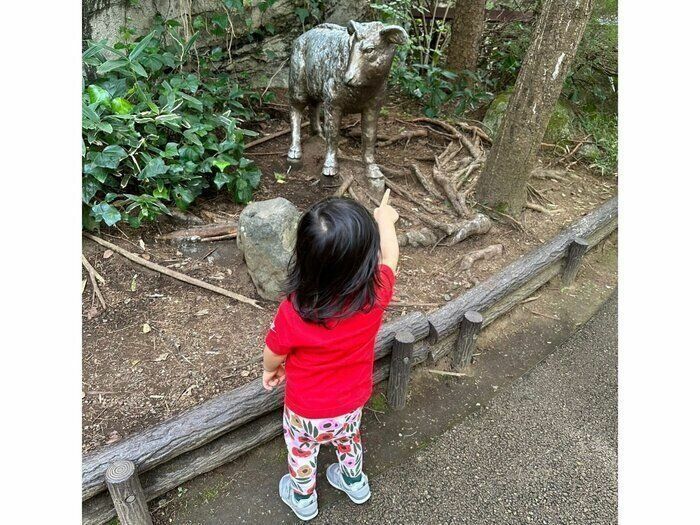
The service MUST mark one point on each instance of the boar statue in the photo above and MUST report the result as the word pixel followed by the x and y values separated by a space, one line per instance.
pixel 342 70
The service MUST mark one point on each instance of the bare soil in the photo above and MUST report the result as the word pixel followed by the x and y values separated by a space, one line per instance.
pixel 162 346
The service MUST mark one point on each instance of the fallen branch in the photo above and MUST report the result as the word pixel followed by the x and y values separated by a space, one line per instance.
pixel 445 373
pixel 93 275
pixel 209 232
pixel 172 273
pixel 270 137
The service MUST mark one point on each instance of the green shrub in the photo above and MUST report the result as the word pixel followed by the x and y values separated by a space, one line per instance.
pixel 602 129
pixel 416 69
pixel 156 132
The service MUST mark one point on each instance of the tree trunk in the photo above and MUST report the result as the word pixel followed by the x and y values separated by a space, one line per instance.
pixel 465 39
pixel 503 182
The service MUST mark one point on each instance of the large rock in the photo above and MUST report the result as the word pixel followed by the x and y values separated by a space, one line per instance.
pixel 267 231
pixel 560 127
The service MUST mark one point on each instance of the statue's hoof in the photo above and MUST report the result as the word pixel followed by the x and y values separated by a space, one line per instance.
pixel 330 171
pixel 294 153
pixel 373 172
pixel 330 182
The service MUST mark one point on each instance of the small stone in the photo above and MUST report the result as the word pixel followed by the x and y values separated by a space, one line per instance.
pixel 447 297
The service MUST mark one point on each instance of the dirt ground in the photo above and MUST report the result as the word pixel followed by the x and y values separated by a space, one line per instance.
pixel 162 346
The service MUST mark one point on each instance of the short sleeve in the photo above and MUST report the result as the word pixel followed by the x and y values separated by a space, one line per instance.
pixel 386 285
pixel 277 338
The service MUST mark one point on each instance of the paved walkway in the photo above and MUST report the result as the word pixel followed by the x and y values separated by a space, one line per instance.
pixel 544 451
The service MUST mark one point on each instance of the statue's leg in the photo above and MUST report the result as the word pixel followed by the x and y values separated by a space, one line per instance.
pixel 369 138
pixel 333 116
pixel 315 119
pixel 295 149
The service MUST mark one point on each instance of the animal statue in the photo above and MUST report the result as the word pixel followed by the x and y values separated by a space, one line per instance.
pixel 342 70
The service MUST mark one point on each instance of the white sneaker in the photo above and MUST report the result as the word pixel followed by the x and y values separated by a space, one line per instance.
pixel 305 509
pixel 358 492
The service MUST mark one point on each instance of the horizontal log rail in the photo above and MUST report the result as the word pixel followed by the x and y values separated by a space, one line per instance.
pixel 222 429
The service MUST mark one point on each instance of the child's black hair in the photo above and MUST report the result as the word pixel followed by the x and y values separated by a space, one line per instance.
pixel 334 270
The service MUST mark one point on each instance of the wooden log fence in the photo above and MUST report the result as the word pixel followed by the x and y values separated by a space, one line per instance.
pixel 222 429
pixel 466 341
pixel 127 495
pixel 400 370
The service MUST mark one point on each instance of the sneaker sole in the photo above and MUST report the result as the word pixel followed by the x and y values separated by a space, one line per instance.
pixel 356 501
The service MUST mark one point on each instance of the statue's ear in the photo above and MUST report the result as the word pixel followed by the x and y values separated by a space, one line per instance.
pixel 394 35
pixel 353 27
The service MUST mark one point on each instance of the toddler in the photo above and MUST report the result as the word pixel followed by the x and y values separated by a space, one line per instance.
pixel 321 342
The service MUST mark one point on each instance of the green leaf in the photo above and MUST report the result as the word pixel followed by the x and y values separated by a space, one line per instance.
pixel 221 164
pixel 221 179
pixel 110 157
pixel 141 46
pixel 153 168
pixel 139 70
pixel 121 106
pixel 244 163
pixel 111 65
pixel 107 213
pixel 243 193
pixel 170 151
pixel 98 95
pixel 90 188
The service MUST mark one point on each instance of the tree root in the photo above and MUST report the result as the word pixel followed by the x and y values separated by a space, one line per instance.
pixel 427 184
pixel 467 261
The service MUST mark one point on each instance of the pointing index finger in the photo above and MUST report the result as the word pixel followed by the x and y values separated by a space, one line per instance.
pixel 385 198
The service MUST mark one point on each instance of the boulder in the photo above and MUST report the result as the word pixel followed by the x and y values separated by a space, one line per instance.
pixel 267 232
pixel 560 123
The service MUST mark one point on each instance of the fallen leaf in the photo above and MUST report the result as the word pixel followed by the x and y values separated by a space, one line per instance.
pixel 245 373
pixel 146 328
pixel 202 312
pixel 133 283
pixel 162 357
pixel 113 437
pixel 107 254
pixel 142 245
pixel 135 362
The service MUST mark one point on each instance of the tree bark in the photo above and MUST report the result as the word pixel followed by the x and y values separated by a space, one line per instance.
pixel 503 181
pixel 465 39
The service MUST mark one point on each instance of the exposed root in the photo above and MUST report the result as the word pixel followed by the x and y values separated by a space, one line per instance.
pixel 467 261
pixel 427 184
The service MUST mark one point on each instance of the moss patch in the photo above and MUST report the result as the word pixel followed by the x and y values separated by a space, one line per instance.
pixel 378 402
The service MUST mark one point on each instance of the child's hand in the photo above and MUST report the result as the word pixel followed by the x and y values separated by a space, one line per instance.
pixel 273 379
pixel 386 214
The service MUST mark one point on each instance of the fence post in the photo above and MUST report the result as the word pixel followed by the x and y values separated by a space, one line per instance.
pixel 574 258
pixel 466 341
pixel 127 495
pixel 400 370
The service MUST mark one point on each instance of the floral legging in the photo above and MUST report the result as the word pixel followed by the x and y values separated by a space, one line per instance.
pixel 303 437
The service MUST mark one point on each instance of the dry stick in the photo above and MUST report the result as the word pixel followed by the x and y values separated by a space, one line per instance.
pixel 444 373
pixel 92 274
pixel 172 273
pixel 270 137
pixel 92 270
pixel 203 233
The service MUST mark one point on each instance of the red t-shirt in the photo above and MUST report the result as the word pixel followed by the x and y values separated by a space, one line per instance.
pixel 329 370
